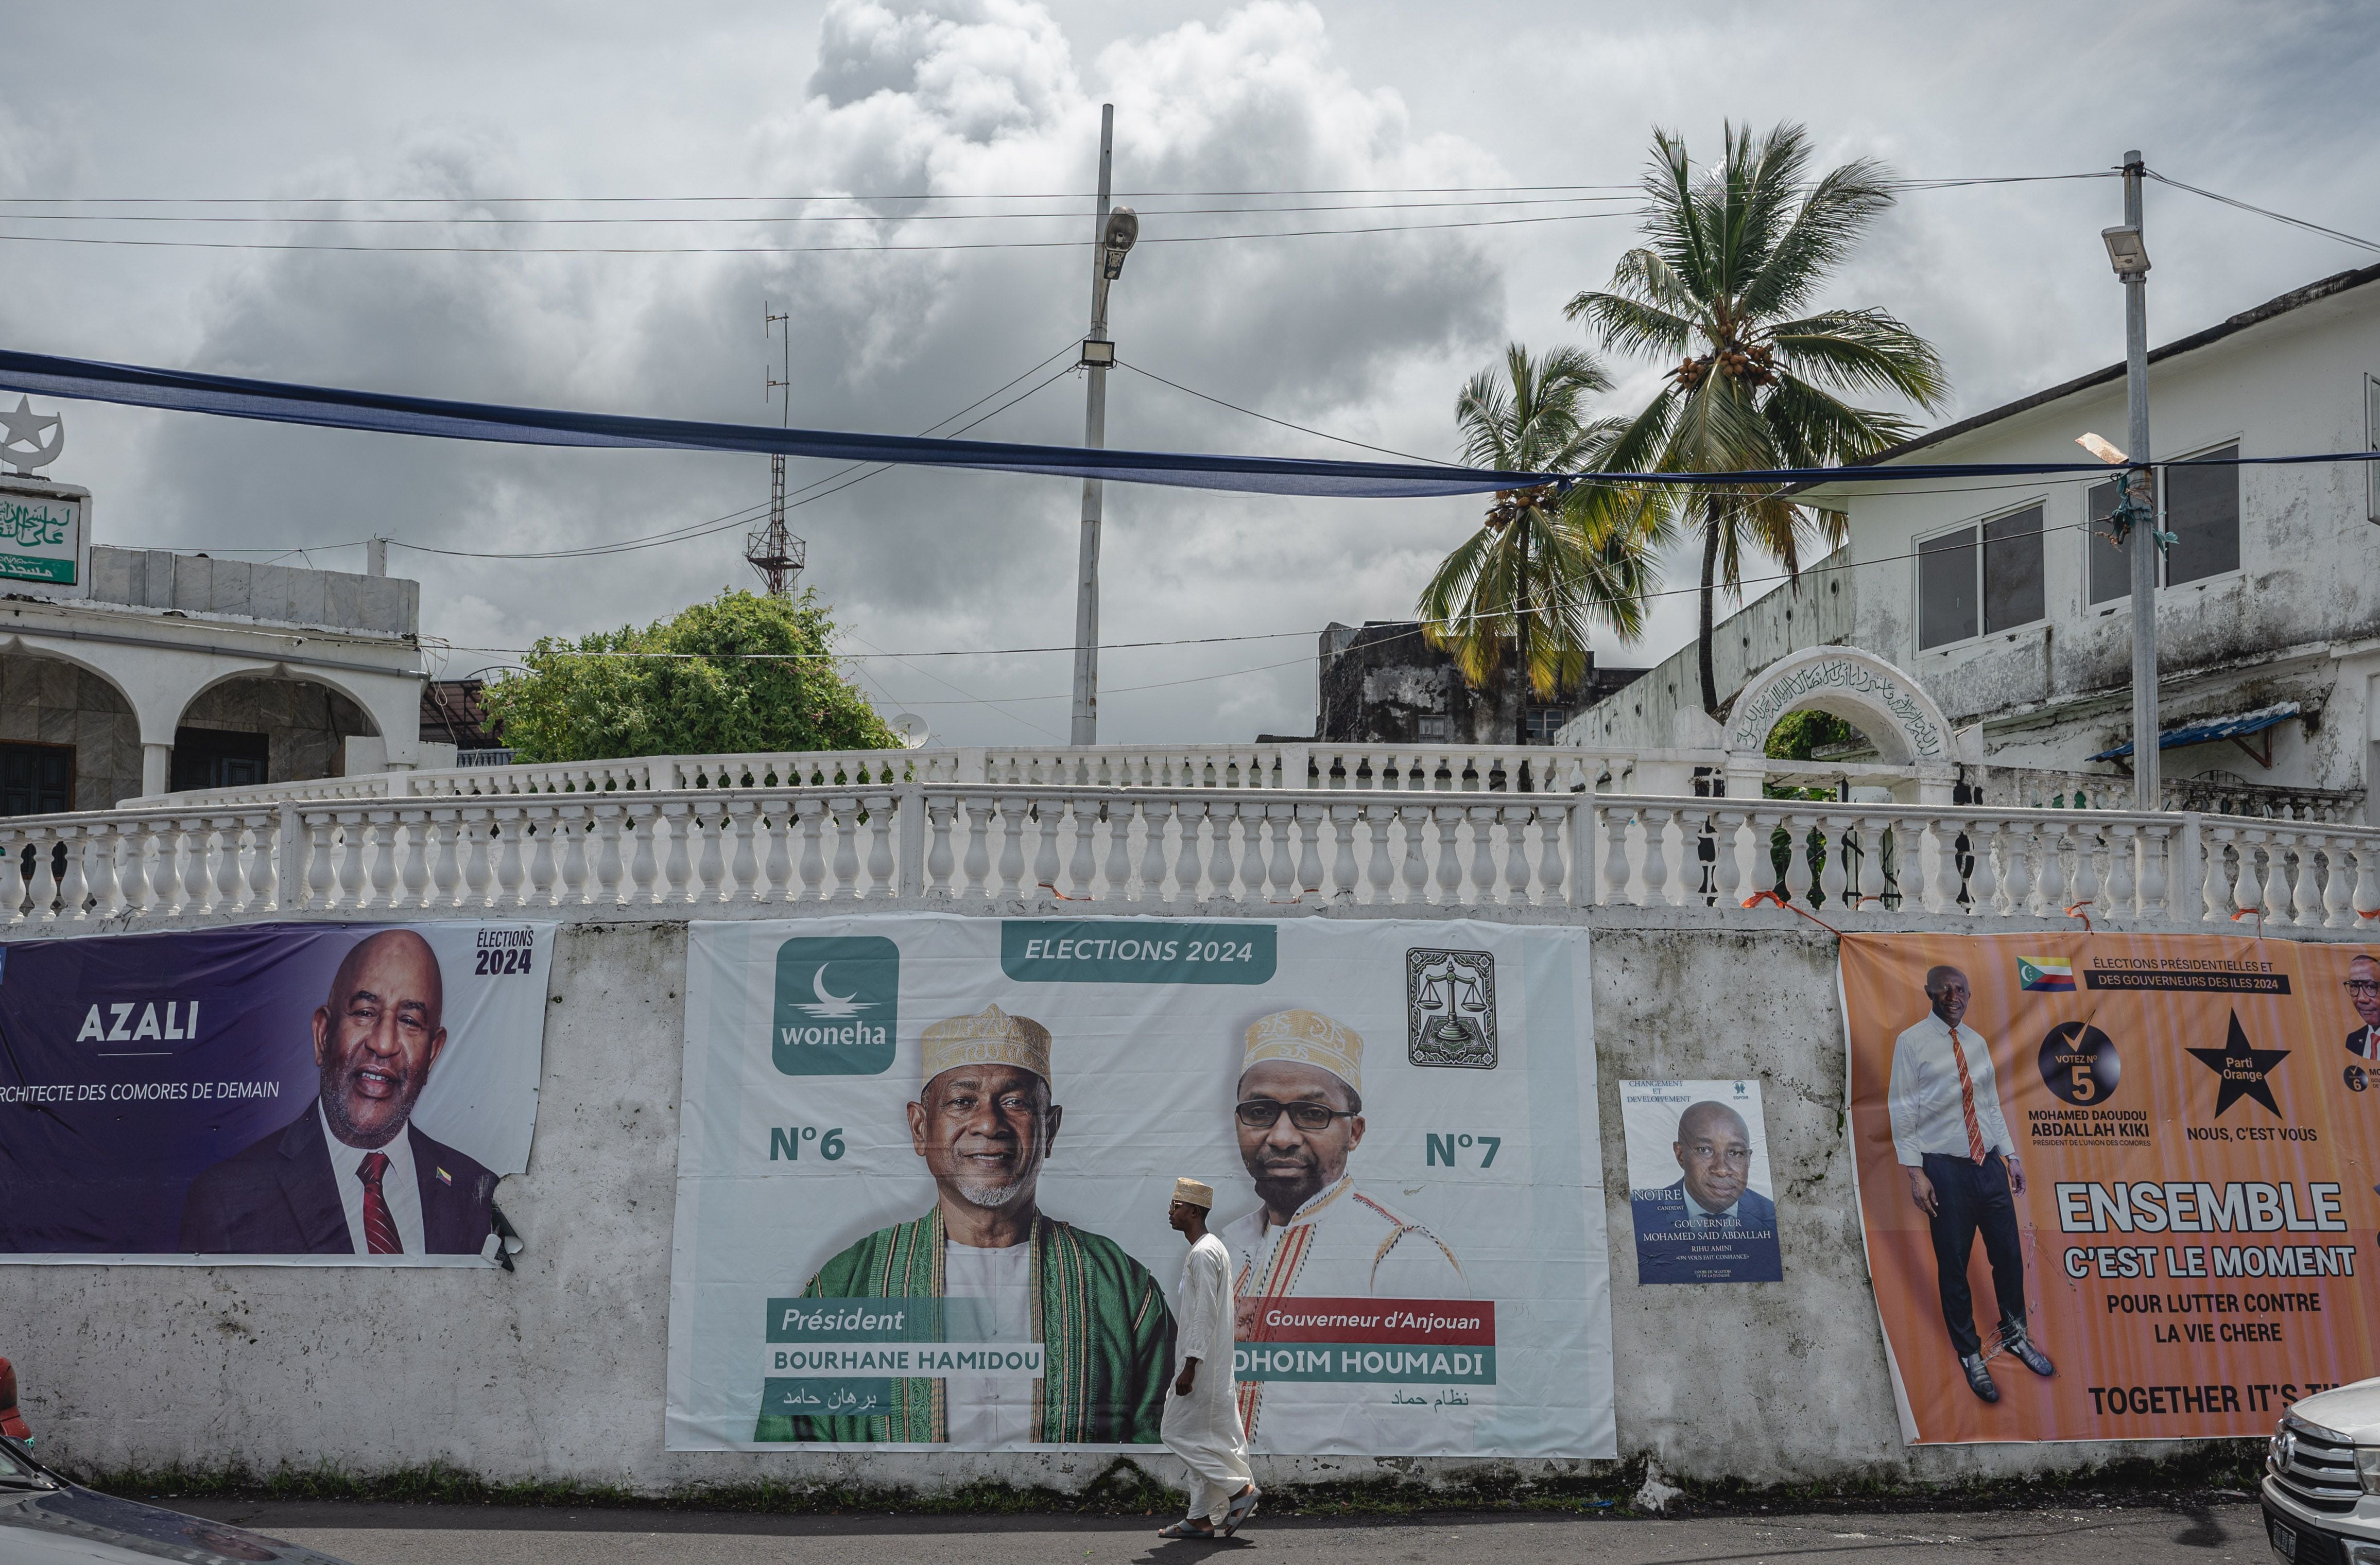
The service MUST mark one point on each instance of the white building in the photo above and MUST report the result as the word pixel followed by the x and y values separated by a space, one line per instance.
pixel 127 673
pixel 2006 603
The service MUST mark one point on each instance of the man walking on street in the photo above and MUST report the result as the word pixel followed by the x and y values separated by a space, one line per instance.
pixel 1952 1140
pixel 1202 1420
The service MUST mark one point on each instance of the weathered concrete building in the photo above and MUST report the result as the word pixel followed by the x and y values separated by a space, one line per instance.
pixel 1383 684
pixel 2009 604
pixel 128 673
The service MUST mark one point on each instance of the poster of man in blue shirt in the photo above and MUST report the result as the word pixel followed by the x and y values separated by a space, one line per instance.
pixel 1698 1182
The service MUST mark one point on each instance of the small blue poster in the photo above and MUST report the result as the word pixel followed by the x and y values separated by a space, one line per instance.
pixel 1699 1192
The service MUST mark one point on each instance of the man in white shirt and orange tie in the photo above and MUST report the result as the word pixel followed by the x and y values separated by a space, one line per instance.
pixel 1951 1137
pixel 2364 991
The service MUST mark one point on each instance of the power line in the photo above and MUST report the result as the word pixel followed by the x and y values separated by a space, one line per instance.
pixel 1343 439
pixel 2340 235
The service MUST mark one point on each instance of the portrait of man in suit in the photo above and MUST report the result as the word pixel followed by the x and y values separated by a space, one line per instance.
pixel 1713 1153
pixel 2364 993
pixel 353 1174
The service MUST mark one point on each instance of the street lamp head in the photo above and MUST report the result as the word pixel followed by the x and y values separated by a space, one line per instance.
pixel 1123 228
pixel 2125 252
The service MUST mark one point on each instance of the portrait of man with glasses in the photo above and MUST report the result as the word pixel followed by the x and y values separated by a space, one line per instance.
pixel 2364 993
pixel 1318 1233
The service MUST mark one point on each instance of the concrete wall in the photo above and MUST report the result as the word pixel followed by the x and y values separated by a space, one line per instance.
pixel 557 1371
pixel 1817 610
pixel 159 578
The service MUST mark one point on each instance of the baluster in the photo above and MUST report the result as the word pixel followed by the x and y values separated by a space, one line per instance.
pixel 975 861
pixel 1187 856
pixel 1150 884
pixel 1282 882
pixel 318 859
pixel 675 818
pixel 1048 814
pixel 706 820
pixel 475 825
pixel 2337 894
pixel 510 833
pixel 2367 879
pixel 743 872
pixel 644 855
pixel 1220 873
pixel 1552 867
pixel 1615 856
pixel 2017 880
pixel 1011 848
pixel 447 868
pixel 1414 872
pixel 607 867
pixel 416 869
pixel 1449 855
pixel 196 883
pixel 571 880
pixel 1983 877
pixel 1116 815
pixel 2215 891
pixel 224 839
pixel 1380 870
pixel 382 827
pixel 351 858
pixel 1656 857
pixel 1835 879
pixel 2307 885
pixel 1876 834
pixel 15 893
pixel 880 824
pixel 2248 892
pixel 2157 847
pixel 939 860
pixel 772 826
pixel 1727 872
pixel 1252 850
pixel 1799 876
pixel 2122 881
pixel 811 812
pixel 70 877
pixel 105 844
pixel 1516 818
pixel 2055 897
pixel 1481 820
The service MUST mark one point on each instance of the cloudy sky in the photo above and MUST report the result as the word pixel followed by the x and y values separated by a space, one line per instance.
pixel 1360 336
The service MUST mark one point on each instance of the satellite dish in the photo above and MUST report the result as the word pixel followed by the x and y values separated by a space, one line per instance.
pixel 911 727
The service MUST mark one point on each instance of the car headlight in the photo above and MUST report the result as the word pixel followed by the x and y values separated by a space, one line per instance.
pixel 2367 1467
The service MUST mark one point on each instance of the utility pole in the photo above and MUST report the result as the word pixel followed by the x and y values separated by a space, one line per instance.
pixel 1112 233
pixel 771 552
pixel 2127 249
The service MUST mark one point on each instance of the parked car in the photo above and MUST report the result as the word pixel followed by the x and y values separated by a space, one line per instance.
pixel 2322 1479
pixel 46 1519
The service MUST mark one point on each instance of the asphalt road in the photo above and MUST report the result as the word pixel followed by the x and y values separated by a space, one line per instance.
pixel 374 1534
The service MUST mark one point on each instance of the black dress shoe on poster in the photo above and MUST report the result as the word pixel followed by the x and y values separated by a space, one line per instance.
pixel 2033 1358
pixel 1979 1380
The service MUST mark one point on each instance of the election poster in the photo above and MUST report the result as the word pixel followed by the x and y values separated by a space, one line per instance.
pixel 1699 1192
pixel 2114 1186
pixel 925 1164
pixel 277 1094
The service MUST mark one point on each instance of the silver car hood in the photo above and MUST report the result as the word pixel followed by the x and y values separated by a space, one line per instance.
pixel 2349 1411
pixel 72 1523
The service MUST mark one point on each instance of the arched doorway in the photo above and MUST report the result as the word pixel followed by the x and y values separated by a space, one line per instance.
pixel 1891 709
pixel 253 729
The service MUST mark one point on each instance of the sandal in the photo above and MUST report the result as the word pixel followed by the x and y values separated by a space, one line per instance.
pixel 1184 1530
pixel 1242 1507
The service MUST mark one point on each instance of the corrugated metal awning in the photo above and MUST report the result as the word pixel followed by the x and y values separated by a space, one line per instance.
pixel 2209 729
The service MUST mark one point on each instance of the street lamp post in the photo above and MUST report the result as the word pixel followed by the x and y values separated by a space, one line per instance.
pixel 2129 256
pixel 1113 235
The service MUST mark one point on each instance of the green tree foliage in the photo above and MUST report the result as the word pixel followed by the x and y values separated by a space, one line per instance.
pixel 1797 735
pixel 1725 288
pixel 1545 566
pixel 573 703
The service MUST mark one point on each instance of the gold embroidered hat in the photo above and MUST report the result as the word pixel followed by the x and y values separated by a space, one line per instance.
pixel 1192 1193
pixel 990 1037
pixel 1308 1037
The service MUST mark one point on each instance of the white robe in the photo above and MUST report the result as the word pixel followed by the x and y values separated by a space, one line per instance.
pixel 1347 1245
pixel 1203 1429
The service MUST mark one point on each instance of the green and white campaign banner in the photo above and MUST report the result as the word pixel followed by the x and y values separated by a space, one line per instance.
pixel 924 1164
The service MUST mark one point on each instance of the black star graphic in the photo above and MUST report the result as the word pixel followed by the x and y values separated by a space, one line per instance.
pixel 2243 1068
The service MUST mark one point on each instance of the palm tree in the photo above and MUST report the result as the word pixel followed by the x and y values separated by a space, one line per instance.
pixel 1548 561
pixel 1731 263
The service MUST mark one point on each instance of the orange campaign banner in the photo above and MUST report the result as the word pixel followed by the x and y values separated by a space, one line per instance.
pixel 2114 1186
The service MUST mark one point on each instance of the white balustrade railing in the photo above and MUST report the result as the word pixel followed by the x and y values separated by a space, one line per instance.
pixel 756 844
pixel 1403 768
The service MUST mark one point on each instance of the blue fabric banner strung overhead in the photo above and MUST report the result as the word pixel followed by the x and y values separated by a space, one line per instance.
pixel 279 401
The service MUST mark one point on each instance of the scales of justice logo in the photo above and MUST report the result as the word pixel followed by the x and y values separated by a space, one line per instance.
pixel 1450 1009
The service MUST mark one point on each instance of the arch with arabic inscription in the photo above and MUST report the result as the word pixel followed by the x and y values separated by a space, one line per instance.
pixel 1893 709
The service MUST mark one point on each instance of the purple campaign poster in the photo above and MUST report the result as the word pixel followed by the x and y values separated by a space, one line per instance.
pixel 286 1094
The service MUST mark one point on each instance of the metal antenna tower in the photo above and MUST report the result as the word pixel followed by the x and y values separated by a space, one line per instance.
pixel 775 553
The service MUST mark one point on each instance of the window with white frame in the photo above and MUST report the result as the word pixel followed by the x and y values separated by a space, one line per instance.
pixel 2198 505
pixel 1981 577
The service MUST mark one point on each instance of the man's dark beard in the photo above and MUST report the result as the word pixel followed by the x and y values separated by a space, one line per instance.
pixel 333 1098
pixel 1287 1193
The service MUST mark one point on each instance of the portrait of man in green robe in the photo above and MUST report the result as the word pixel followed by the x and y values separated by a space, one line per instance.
pixel 984 1123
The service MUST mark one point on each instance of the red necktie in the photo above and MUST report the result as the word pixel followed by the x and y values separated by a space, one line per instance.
pixel 380 1226
pixel 1966 1102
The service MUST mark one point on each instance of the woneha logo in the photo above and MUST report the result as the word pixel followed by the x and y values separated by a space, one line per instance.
pixel 838 1003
